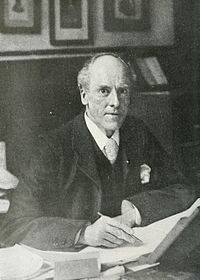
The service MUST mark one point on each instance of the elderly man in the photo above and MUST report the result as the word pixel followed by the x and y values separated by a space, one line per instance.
pixel 101 161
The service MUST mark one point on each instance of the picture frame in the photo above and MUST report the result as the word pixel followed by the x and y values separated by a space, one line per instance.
pixel 20 16
pixel 70 22
pixel 126 15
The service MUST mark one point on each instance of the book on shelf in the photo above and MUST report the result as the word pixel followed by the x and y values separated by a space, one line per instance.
pixel 152 71
pixel 145 71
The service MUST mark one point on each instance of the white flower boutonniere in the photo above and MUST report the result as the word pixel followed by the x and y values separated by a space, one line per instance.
pixel 145 171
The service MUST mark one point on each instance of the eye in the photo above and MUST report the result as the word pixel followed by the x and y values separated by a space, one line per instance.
pixel 104 91
pixel 123 90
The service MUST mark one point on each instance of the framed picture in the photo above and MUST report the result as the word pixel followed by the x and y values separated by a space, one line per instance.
pixel 126 15
pixel 70 22
pixel 20 16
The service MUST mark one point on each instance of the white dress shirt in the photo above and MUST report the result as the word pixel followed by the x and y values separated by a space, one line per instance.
pixel 98 135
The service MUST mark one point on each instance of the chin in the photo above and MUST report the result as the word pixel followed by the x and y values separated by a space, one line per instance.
pixel 113 126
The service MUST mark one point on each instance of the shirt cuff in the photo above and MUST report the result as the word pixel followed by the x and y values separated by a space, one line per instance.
pixel 127 206
pixel 80 233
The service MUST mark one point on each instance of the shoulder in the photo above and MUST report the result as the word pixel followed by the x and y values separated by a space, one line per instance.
pixel 59 140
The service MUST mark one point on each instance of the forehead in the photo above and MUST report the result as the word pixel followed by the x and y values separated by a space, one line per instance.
pixel 109 69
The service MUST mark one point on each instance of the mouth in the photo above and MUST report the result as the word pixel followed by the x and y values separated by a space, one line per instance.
pixel 112 117
pixel 112 114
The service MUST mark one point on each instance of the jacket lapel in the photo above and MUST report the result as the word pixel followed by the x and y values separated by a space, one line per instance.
pixel 83 145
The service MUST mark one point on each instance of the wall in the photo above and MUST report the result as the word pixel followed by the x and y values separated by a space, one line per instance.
pixel 161 32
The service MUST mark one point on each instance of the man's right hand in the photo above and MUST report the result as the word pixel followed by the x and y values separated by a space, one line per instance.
pixel 107 232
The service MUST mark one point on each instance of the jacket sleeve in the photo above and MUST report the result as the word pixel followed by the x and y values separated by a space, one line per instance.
pixel 33 217
pixel 168 191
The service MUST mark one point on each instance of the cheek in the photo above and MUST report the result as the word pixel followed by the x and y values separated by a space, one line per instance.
pixel 94 99
pixel 100 104
pixel 97 106
pixel 125 101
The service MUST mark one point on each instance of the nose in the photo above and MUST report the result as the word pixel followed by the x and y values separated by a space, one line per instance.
pixel 114 99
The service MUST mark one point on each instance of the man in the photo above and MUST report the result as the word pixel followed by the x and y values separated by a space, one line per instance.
pixel 75 174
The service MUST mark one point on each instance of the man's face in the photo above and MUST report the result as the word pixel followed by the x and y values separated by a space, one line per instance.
pixel 108 95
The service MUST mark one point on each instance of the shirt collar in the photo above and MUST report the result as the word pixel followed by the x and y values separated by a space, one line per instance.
pixel 99 137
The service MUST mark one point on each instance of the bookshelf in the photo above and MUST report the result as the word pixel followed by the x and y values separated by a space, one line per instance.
pixel 157 87
pixel 155 70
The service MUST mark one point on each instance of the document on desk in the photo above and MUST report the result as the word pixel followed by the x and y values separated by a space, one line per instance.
pixel 151 235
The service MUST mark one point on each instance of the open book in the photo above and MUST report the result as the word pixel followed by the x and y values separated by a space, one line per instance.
pixel 151 235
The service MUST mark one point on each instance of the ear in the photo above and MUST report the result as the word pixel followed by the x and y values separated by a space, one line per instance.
pixel 83 94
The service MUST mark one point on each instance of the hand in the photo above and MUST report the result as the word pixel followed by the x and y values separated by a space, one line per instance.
pixel 127 218
pixel 130 214
pixel 107 232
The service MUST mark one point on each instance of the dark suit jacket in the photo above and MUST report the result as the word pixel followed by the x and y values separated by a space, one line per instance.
pixel 61 191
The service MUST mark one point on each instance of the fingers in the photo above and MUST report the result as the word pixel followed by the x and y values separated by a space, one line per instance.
pixel 121 231
pixel 109 233
pixel 108 244
pixel 120 234
pixel 118 225
pixel 112 238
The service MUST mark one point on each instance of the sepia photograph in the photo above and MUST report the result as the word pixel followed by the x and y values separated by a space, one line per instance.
pixel 99 140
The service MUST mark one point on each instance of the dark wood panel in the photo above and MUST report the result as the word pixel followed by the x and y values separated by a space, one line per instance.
pixel 36 96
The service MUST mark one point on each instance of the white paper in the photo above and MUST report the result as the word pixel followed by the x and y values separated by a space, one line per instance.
pixel 151 235
pixel 7 180
pixel 18 263
pixel 4 206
